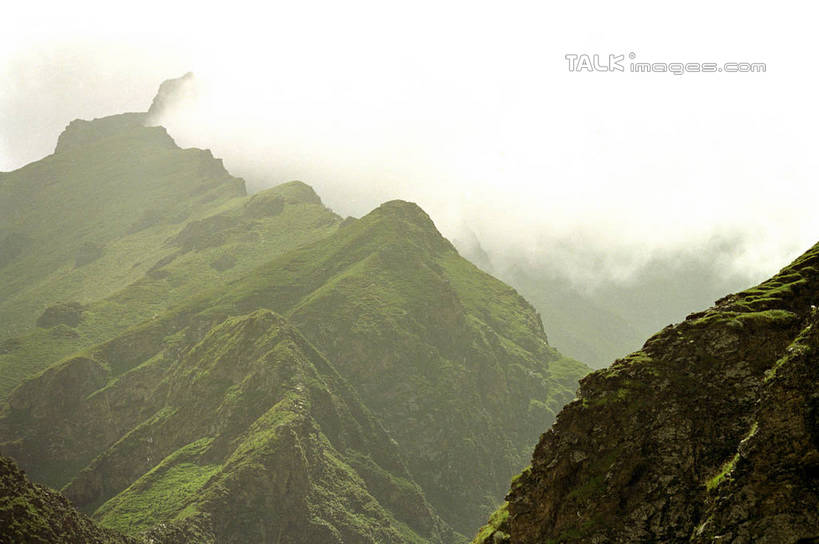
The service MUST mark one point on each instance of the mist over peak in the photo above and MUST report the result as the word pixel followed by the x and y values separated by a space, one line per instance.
pixel 490 134
pixel 593 222
pixel 171 92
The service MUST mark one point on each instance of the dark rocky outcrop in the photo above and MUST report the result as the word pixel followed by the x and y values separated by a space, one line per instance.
pixel 708 434
pixel 62 313
pixel 33 514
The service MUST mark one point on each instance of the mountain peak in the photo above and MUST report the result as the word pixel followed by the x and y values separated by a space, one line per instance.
pixel 407 211
pixel 409 219
pixel 81 133
pixel 296 192
pixel 170 93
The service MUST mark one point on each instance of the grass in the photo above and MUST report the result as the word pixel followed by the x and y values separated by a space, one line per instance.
pixel 89 224
pixel 723 473
pixel 496 521
pixel 253 242
pixel 95 196
pixel 160 494
pixel 386 297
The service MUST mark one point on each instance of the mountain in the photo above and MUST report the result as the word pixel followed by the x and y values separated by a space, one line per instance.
pixel 77 224
pixel 117 206
pixel 710 433
pixel 610 317
pixel 172 93
pixel 437 349
pixel 257 369
pixel 242 426
pixel 579 324
pixel 31 513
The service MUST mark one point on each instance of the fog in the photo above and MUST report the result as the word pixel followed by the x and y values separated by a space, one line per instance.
pixel 472 113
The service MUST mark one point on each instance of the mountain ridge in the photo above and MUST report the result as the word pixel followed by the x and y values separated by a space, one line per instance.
pixel 256 368
pixel 391 267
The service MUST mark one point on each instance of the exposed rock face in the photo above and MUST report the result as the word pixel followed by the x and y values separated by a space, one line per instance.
pixel 708 434
pixel 769 494
pixel 32 514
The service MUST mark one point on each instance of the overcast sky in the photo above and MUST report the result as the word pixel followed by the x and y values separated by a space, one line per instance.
pixel 469 110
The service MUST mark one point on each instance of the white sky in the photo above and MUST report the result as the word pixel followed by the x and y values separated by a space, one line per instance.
pixel 466 108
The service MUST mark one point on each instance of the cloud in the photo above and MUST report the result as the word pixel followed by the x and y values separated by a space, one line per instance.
pixel 471 112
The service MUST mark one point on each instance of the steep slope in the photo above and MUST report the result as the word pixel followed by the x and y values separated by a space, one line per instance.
pixel 437 349
pixel 577 323
pixel 31 513
pixel 199 253
pixel 239 425
pixel 119 224
pixel 454 362
pixel 709 433
pixel 34 514
pixel 610 316
pixel 76 224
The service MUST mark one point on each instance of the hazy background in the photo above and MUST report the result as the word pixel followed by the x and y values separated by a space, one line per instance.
pixel 470 110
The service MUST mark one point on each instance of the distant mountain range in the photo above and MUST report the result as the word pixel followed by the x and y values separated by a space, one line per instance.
pixel 611 319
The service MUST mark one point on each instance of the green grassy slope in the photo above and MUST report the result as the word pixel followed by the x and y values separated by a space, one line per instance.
pixel 242 426
pixel 78 224
pixel 119 205
pixel 133 273
pixel 453 361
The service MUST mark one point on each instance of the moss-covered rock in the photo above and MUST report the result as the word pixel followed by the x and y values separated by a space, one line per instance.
pixel 708 434
pixel 31 513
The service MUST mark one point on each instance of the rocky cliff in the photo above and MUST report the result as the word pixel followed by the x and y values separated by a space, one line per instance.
pixel 707 434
